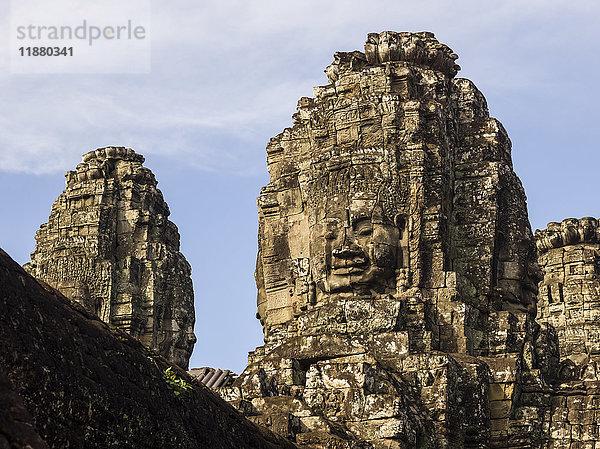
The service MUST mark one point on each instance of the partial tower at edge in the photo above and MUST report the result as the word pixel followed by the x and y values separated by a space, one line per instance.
pixel 569 294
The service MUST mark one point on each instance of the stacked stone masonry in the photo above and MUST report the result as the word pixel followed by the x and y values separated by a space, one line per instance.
pixel 109 245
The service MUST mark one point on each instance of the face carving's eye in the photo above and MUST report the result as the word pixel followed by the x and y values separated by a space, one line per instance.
pixel 363 227
pixel 332 229
pixel 364 231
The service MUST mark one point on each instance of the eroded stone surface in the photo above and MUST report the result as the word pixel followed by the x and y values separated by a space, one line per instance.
pixel 110 246
pixel 396 273
pixel 17 428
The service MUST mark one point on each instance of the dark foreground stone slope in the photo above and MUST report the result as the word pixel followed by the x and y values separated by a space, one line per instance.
pixel 17 429
pixel 67 380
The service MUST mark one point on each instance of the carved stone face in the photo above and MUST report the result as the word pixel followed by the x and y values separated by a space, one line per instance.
pixel 184 345
pixel 354 249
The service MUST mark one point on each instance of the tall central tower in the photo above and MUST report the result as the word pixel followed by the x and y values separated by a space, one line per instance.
pixel 396 272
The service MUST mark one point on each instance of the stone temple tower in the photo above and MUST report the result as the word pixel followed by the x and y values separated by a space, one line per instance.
pixel 110 246
pixel 396 273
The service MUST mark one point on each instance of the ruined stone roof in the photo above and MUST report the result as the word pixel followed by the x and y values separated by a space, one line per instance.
pixel 213 378
pixel 415 49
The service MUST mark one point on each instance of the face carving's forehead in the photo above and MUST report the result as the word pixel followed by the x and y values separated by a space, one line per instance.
pixel 378 204
pixel 342 176
pixel 349 211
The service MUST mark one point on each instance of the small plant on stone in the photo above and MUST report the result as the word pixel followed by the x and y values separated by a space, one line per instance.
pixel 178 385
pixel 149 353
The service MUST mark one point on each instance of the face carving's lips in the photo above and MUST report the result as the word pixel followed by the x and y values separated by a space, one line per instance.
pixel 346 267
pixel 347 271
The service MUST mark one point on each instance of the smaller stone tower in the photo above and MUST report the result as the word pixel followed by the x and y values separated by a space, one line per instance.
pixel 569 301
pixel 569 295
pixel 109 245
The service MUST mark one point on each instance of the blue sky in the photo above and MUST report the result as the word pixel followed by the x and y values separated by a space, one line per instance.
pixel 226 77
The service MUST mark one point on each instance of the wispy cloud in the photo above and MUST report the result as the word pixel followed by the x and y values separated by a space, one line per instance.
pixel 226 75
